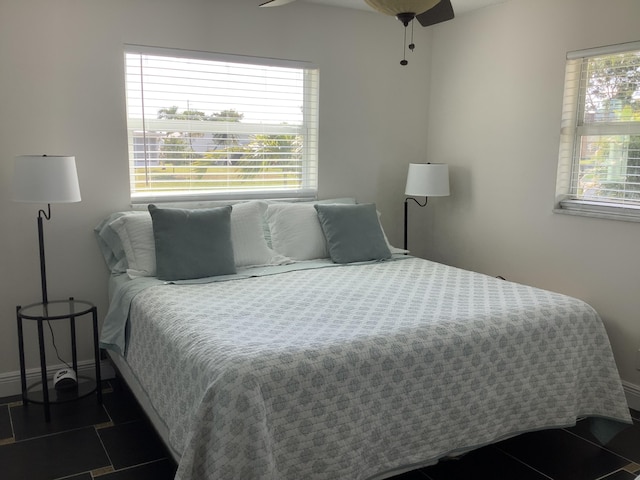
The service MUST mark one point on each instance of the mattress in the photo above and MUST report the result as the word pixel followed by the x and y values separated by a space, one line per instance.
pixel 357 371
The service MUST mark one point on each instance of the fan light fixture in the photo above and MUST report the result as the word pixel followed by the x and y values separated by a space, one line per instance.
pixel 275 3
pixel 405 11
pixel 397 7
pixel 427 12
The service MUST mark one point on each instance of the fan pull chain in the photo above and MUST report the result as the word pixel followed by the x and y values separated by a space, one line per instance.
pixel 411 45
pixel 404 51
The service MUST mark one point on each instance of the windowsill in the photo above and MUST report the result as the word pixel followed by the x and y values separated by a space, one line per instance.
pixel 176 203
pixel 584 208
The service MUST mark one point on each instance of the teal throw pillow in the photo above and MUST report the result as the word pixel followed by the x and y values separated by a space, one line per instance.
pixel 353 232
pixel 192 243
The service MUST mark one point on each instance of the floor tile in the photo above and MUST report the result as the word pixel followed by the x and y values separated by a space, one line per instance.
pixel 562 455
pixel 487 462
pixel 626 443
pixel 132 443
pixel 122 406
pixel 53 456
pixel 158 470
pixel 620 475
pixel 5 423
pixel 28 420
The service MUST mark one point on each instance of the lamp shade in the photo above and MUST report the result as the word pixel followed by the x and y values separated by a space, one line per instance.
pixel 428 180
pixel 394 7
pixel 45 179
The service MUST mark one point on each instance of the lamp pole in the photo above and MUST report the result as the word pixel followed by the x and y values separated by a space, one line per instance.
pixel 43 267
pixel 406 214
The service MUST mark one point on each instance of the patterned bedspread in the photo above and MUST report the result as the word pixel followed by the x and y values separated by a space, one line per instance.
pixel 365 371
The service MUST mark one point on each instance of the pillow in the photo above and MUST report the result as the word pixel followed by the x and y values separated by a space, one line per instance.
pixel 265 224
pixel 249 244
pixel 110 244
pixel 136 236
pixel 192 243
pixel 353 232
pixel 295 231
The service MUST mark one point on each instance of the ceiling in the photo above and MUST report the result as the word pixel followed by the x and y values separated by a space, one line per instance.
pixel 459 6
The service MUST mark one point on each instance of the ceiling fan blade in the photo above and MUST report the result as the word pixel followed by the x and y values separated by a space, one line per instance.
pixel 442 12
pixel 275 3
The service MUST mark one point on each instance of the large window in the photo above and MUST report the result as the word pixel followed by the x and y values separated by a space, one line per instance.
pixel 599 162
pixel 207 126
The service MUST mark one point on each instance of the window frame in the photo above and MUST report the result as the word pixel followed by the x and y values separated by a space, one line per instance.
pixel 567 200
pixel 308 130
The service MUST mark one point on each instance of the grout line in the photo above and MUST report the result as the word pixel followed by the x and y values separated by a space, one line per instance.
pixel 632 468
pixel 102 471
pixel 71 475
pixel 103 445
pixel 522 462
pixel 603 447
pixel 606 475
pixel 100 426
pixel 53 434
pixel 130 467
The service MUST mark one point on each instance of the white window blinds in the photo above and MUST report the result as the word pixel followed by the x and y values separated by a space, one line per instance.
pixel 599 161
pixel 206 126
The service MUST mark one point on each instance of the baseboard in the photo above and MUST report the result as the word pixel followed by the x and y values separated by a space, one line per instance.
pixel 10 382
pixel 632 392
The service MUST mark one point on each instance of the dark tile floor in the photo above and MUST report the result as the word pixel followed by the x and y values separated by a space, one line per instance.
pixel 114 441
pixel 84 440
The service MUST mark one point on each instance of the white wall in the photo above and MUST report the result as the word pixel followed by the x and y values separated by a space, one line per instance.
pixel 62 92
pixel 496 92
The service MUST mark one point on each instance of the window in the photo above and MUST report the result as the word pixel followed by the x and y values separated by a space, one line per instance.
pixel 599 161
pixel 206 126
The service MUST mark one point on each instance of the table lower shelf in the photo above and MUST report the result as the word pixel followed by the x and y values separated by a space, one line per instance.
pixel 35 394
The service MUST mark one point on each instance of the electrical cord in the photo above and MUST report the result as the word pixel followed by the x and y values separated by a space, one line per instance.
pixel 53 341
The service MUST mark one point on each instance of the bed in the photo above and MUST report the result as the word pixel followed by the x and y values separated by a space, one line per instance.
pixel 318 361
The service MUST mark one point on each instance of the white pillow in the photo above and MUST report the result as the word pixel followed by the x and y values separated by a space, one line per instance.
pixel 295 231
pixel 267 232
pixel 136 235
pixel 247 235
pixel 249 245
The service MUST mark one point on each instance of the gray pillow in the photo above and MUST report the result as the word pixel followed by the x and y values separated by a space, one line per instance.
pixel 192 243
pixel 353 232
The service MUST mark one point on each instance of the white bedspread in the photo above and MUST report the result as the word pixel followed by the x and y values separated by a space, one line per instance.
pixel 362 372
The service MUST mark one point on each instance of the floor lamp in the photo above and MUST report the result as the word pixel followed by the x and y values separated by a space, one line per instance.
pixel 45 179
pixel 425 180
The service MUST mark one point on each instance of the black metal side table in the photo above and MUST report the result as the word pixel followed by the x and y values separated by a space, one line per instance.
pixel 53 311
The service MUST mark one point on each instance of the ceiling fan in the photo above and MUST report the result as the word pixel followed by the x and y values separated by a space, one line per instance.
pixel 427 12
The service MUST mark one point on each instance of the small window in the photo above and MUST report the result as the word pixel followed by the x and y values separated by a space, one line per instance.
pixel 599 161
pixel 211 126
